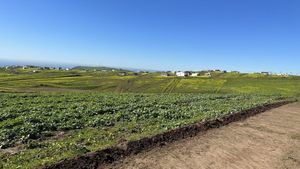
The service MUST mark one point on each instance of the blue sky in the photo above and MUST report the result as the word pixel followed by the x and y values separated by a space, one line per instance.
pixel 245 35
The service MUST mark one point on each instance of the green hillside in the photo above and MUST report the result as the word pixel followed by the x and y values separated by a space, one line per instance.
pixel 47 115
pixel 78 80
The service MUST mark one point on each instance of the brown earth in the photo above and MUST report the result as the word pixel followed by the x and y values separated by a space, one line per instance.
pixel 270 140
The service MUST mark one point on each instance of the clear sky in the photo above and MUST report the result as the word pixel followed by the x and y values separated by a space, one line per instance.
pixel 245 35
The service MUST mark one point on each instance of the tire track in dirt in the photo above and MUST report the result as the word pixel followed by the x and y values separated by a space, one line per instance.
pixel 171 85
pixel 270 140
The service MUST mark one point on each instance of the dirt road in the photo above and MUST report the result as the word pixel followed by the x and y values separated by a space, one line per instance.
pixel 270 140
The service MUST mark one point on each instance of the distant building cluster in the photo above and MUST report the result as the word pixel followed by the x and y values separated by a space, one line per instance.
pixel 276 74
pixel 36 69
pixel 120 72
pixel 209 73
pixel 191 73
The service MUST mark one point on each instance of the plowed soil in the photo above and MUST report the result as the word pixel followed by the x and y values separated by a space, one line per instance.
pixel 270 140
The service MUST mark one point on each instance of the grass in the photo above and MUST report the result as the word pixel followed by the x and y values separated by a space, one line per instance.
pixel 108 82
pixel 295 136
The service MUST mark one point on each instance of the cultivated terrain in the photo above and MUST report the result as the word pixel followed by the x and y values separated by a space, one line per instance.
pixel 108 81
pixel 49 115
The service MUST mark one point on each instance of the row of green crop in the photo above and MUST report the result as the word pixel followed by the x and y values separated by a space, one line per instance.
pixel 28 120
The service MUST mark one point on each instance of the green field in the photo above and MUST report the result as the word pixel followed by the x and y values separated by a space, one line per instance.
pixel 107 82
pixel 39 129
pixel 55 114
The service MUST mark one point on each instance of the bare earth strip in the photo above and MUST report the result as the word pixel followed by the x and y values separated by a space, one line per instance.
pixel 268 141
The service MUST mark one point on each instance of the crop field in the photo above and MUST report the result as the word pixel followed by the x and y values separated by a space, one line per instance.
pixel 52 115
pixel 38 129
pixel 111 82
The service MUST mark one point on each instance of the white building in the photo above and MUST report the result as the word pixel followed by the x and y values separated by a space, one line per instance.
pixel 164 74
pixel 265 73
pixel 180 74
pixel 208 74
pixel 195 74
pixel 183 74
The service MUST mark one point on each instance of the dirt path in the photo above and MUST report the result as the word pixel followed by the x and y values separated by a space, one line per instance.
pixel 268 141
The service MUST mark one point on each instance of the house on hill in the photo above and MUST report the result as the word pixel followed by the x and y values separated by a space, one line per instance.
pixel 208 74
pixel 122 73
pixel 265 73
pixel 195 74
pixel 180 74
pixel 183 74
pixel 164 74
